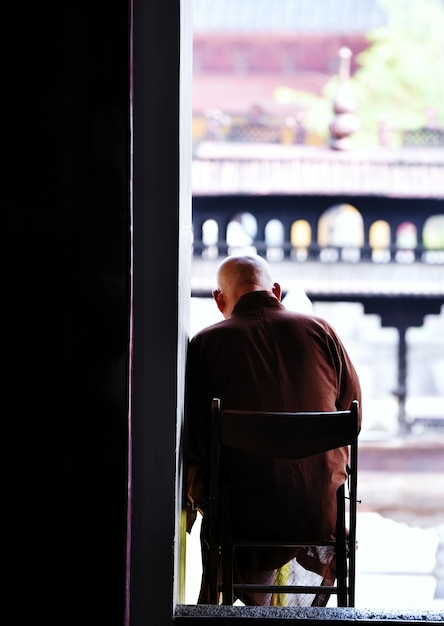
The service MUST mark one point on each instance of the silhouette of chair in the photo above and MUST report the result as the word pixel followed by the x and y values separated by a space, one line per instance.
pixel 277 435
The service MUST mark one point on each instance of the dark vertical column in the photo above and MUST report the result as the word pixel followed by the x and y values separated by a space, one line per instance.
pixel 162 254
pixel 401 391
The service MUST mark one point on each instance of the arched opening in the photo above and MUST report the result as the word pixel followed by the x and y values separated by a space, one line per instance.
pixel 379 239
pixel 210 238
pixel 274 240
pixel 300 239
pixel 406 242
pixel 341 234
pixel 241 232
pixel 433 240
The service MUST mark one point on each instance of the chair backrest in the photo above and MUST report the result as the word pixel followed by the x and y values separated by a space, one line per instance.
pixel 284 435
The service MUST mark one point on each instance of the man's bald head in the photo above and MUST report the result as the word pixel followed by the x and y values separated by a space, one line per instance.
pixel 244 271
pixel 238 275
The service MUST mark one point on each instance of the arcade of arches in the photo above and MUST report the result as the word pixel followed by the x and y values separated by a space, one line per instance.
pixel 339 236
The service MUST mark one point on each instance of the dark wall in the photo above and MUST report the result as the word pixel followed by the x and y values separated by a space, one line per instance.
pixel 65 201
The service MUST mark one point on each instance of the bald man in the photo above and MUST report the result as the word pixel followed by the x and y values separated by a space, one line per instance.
pixel 263 357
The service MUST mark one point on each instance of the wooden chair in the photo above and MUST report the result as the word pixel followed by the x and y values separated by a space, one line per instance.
pixel 285 436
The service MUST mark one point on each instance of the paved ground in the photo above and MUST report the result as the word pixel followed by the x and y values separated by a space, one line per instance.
pixel 397 564
pixel 400 557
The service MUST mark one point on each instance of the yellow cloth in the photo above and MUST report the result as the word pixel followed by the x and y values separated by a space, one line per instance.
pixel 281 577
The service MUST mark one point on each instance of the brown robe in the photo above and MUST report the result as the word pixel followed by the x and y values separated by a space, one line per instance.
pixel 265 357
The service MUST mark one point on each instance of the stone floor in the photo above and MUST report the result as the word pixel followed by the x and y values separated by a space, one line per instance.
pixel 396 564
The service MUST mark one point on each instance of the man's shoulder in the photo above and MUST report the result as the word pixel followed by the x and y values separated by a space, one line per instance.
pixel 207 331
pixel 226 331
pixel 306 319
pixel 301 316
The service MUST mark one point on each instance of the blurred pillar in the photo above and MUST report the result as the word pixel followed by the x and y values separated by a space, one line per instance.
pixel 344 122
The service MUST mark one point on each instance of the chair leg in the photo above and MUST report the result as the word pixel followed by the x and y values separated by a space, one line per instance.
pixel 227 575
pixel 341 549
pixel 352 546
pixel 210 560
pixel 213 578
pixel 352 568
pixel 351 577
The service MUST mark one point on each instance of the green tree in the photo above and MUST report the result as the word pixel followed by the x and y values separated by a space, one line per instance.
pixel 400 79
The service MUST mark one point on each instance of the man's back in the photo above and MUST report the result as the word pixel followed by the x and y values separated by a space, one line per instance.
pixel 264 357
